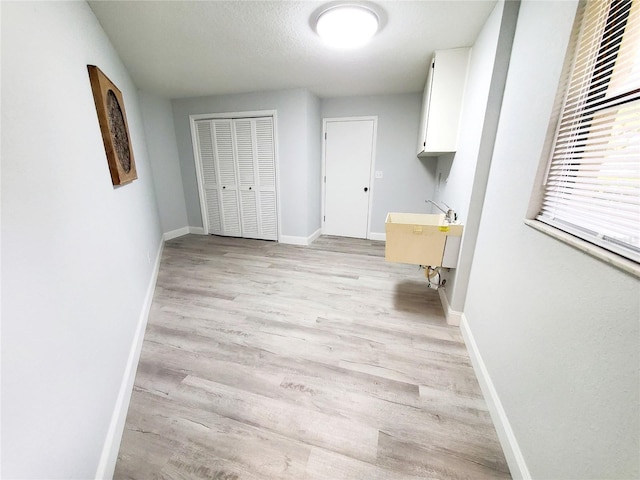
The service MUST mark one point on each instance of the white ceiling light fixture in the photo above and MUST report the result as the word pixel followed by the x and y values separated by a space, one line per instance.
pixel 347 25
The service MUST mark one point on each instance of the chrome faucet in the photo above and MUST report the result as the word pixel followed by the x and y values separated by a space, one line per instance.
pixel 450 214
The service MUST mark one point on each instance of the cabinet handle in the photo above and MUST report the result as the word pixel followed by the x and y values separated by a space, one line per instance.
pixel 223 187
pixel 366 189
pixel 249 188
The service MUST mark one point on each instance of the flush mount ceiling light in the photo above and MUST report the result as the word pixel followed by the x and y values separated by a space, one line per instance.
pixel 347 26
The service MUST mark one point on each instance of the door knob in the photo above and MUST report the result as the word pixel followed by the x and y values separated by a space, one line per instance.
pixel 366 189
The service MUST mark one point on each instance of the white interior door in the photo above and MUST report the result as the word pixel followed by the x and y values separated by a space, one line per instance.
pixel 349 147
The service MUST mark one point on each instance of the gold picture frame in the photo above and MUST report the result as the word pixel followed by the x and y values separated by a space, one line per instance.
pixel 114 127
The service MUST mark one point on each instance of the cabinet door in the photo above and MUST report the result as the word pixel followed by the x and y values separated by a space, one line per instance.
pixel 230 212
pixel 205 151
pixel 442 104
pixel 424 119
pixel 445 105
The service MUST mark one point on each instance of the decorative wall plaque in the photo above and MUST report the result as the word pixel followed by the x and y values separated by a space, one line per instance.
pixel 114 128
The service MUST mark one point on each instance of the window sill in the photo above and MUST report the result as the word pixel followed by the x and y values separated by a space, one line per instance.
pixel 606 256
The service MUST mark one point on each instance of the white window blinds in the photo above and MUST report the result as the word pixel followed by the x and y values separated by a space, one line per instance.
pixel 592 186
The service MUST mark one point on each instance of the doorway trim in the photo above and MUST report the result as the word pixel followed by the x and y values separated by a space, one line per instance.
pixel 374 118
pixel 199 174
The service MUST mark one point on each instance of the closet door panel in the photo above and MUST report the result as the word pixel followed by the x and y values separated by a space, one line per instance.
pixel 209 175
pixel 246 168
pixel 268 220
pixel 231 218
pixel 213 213
pixel 266 178
pixel 223 137
pixel 265 153
pixel 245 148
pixel 224 153
pixel 250 215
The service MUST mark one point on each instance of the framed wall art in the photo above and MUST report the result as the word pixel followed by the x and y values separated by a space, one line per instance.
pixel 114 127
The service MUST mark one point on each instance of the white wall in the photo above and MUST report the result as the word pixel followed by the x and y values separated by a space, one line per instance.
pixel 163 155
pixel 455 172
pixel 408 181
pixel 74 249
pixel 463 176
pixel 557 329
pixel 295 159
pixel 314 173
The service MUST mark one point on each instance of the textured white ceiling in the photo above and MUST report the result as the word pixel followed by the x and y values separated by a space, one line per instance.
pixel 192 48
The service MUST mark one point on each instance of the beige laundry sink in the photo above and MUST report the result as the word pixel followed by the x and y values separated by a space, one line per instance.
pixel 422 239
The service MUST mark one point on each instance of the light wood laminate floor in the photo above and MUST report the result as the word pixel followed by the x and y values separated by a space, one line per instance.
pixel 270 361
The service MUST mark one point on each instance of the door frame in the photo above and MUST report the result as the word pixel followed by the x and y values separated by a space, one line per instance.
pixel 198 164
pixel 374 118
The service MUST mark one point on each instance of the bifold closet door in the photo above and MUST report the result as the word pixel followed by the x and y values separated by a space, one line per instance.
pixel 215 149
pixel 266 164
pixel 256 177
pixel 238 176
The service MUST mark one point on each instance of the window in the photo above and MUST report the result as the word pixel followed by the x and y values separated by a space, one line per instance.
pixel 591 187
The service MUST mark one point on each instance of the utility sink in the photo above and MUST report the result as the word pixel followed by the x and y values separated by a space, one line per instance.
pixel 422 239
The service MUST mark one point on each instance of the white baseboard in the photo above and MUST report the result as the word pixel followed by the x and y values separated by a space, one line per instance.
pixel 453 316
pixel 111 446
pixel 175 233
pixel 508 440
pixel 314 236
pixel 197 230
pixel 377 236
pixel 292 240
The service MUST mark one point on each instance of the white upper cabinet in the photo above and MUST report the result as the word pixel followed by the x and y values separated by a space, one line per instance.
pixel 442 102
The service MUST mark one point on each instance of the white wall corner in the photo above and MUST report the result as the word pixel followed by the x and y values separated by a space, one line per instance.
pixel 175 233
pixel 197 230
pixel 507 438
pixel 377 236
pixel 453 317
pixel 293 240
pixel 314 236
pixel 111 446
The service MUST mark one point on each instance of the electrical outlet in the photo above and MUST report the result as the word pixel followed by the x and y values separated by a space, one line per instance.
pixel 378 173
